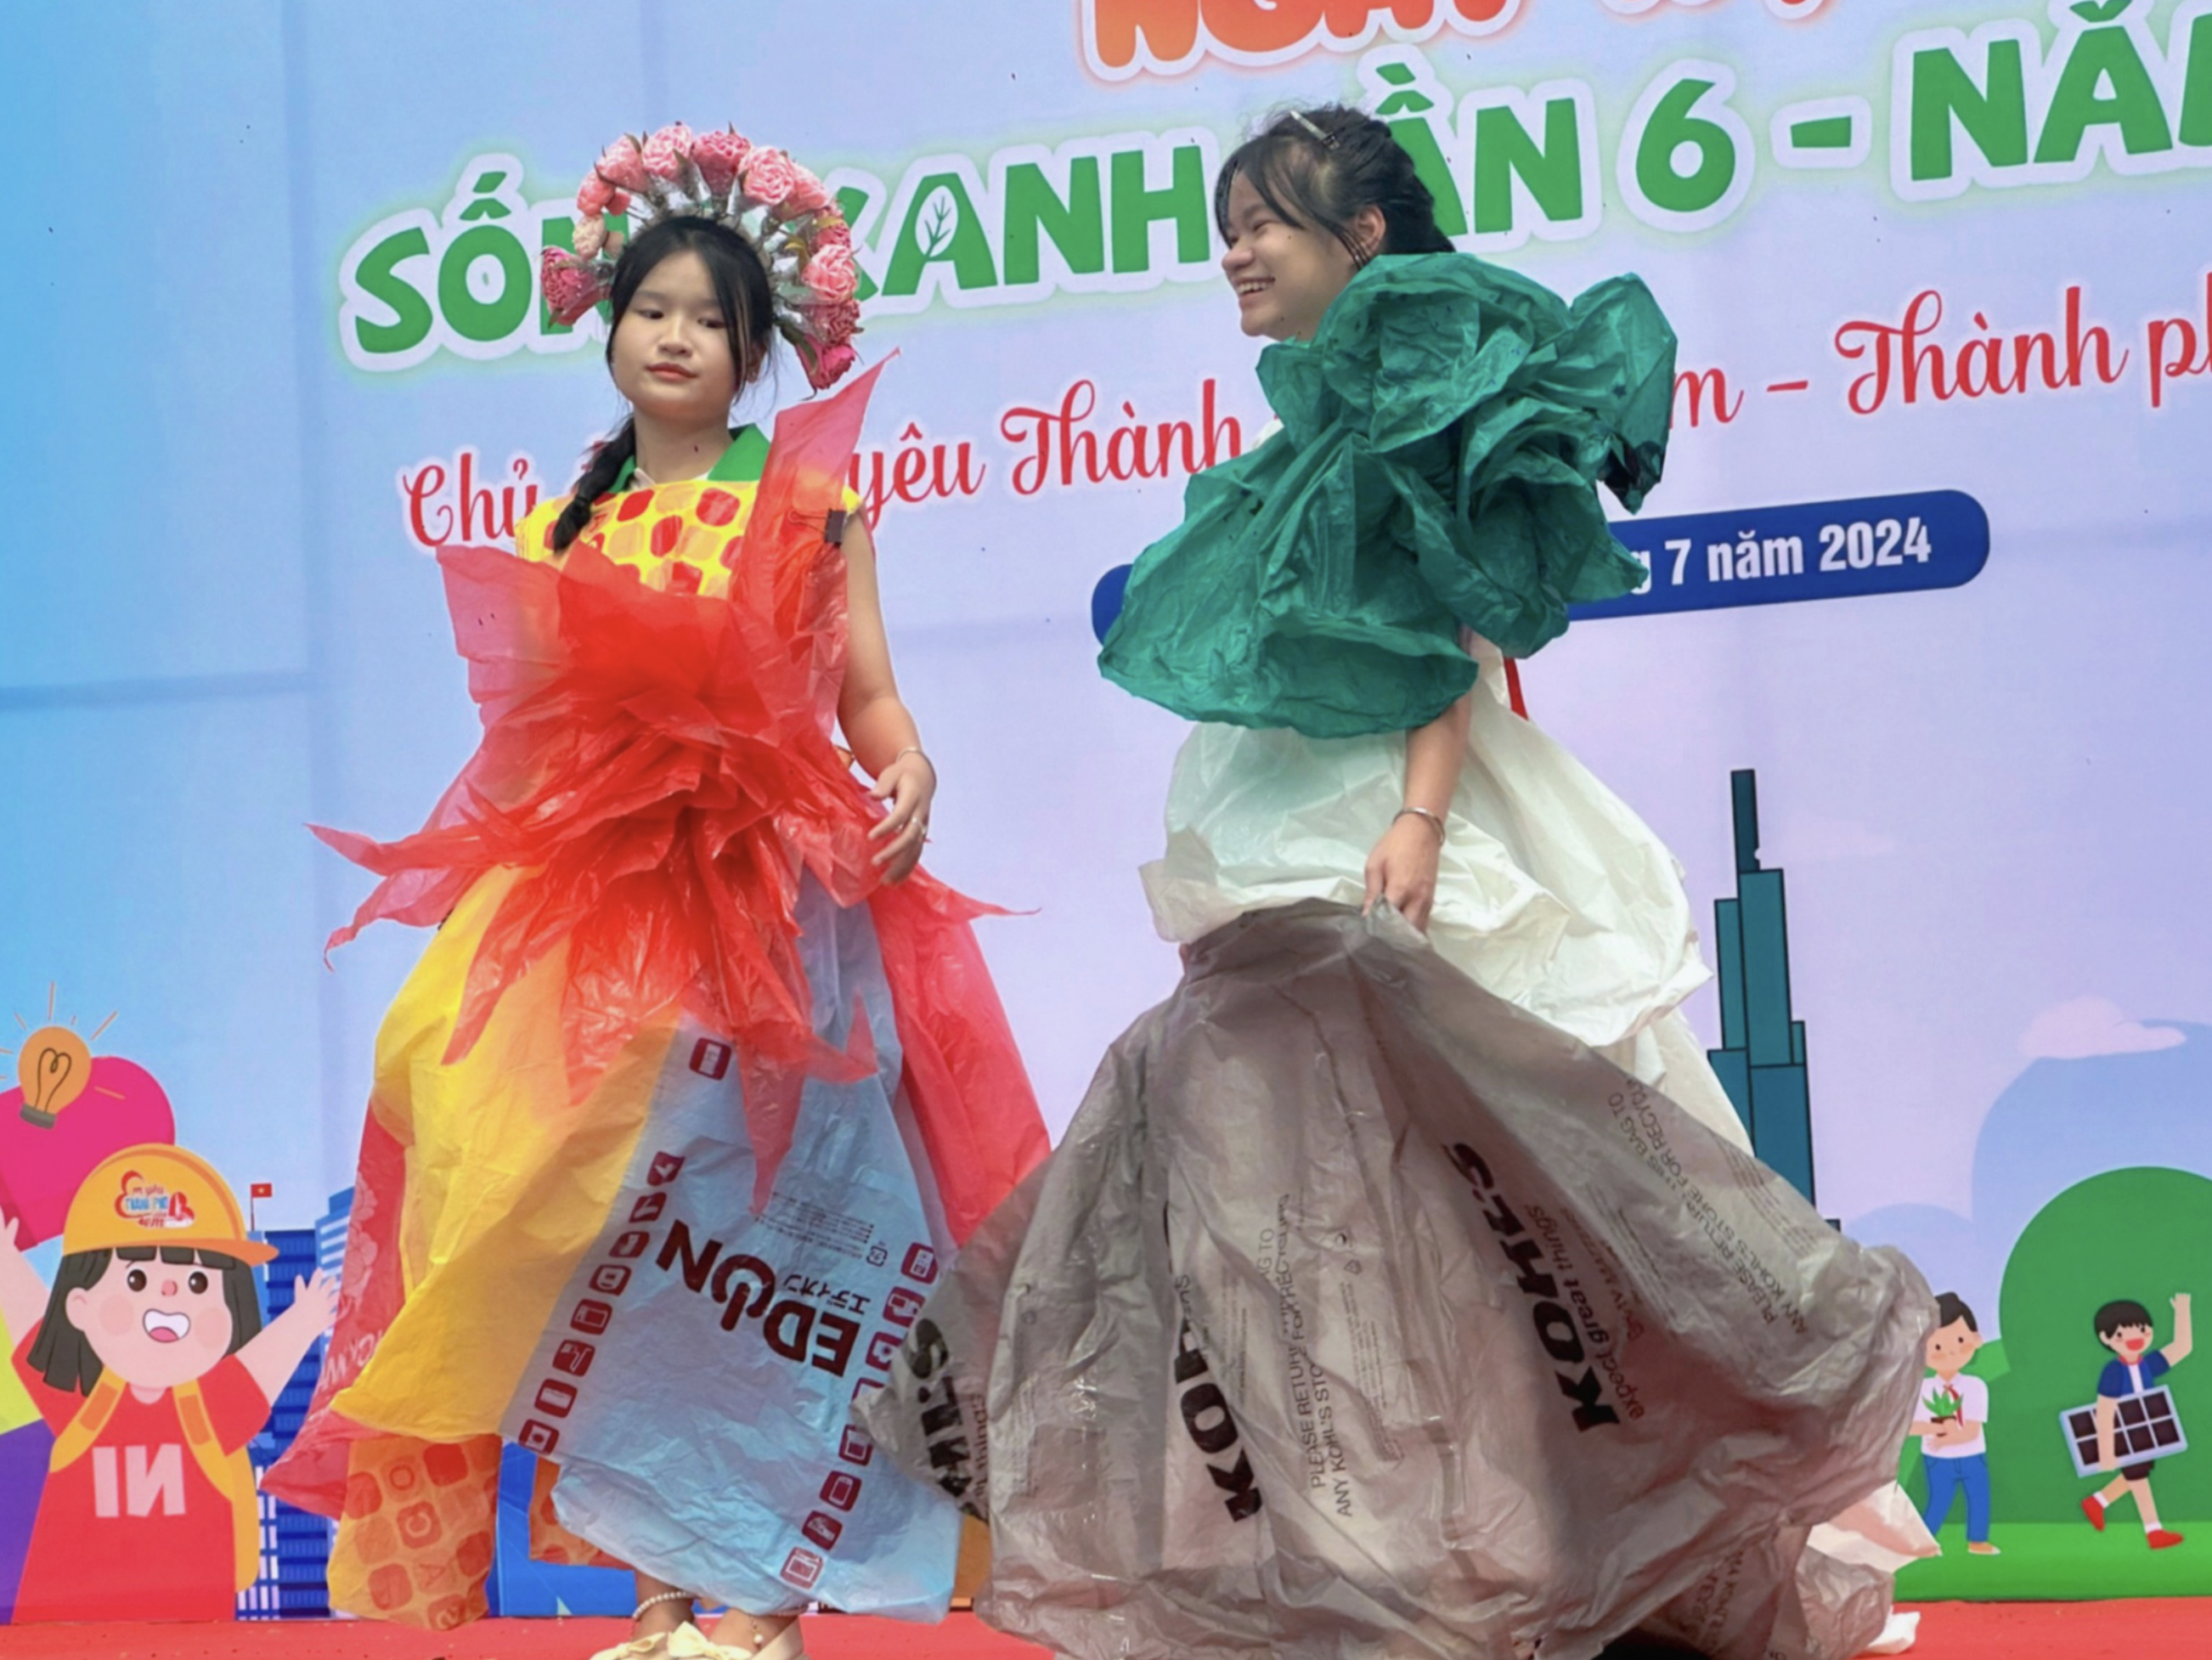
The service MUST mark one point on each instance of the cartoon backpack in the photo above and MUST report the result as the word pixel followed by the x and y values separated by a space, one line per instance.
pixel 185 1202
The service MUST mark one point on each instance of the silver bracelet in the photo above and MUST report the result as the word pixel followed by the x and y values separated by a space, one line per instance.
pixel 913 749
pixel 1435 820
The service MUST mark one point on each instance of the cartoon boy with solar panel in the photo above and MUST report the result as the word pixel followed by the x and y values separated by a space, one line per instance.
pixel 2134 1421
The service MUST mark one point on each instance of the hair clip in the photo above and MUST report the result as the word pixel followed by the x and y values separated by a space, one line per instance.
pixel 1327 138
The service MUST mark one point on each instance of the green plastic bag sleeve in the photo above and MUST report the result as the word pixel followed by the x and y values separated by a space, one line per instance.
pixel 1443 437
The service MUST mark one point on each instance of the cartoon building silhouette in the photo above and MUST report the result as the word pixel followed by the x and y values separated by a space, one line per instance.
pixel 330 1235
pixel 1761 1059
pixel 295 1544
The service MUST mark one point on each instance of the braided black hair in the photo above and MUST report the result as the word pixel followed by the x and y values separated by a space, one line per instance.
pixel 748 305
pixel 1318 169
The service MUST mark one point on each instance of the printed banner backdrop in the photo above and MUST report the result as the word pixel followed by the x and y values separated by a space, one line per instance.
pixel 1928 561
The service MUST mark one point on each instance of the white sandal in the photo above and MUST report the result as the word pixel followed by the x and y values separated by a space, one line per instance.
pixel 688 1642
pixel 661 1645
pixel 638 1648
pixel 789 1643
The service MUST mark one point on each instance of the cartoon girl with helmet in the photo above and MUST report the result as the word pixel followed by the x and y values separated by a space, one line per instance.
pixel 149 1362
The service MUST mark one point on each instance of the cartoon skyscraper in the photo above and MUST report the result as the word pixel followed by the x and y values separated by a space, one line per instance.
pixel 330 1234
pixel 1761 1059
pixel 295 1545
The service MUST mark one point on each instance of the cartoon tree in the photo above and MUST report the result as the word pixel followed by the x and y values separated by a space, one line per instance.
pixel 2144 1234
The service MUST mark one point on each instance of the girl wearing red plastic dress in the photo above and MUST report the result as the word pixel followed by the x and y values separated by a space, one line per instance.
pixel 702 1076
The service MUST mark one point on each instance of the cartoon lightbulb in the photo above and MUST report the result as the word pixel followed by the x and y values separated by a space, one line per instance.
pixel 53 1066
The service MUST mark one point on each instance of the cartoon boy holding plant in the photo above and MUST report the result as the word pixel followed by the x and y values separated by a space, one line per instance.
pixel 1954 1409
pixel 149 1363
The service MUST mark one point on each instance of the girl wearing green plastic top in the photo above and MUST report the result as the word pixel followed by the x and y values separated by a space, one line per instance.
pixel 1334 608
pixel 1286 274
pixel 1359 1312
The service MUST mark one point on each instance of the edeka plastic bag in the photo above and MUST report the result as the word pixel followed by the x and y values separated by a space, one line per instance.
pixel 1362 1313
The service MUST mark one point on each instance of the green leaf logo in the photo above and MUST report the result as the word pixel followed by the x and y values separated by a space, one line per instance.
pixel 940 220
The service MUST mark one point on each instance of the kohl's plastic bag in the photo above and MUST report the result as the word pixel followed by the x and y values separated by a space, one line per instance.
pixel 1361 1313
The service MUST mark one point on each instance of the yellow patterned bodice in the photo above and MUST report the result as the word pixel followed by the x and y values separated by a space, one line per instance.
pixel 678 537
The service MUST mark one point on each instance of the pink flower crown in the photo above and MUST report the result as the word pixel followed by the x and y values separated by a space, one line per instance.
pixel 763 195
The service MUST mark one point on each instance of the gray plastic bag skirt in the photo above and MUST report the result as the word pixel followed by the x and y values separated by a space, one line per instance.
pixel 1361 1313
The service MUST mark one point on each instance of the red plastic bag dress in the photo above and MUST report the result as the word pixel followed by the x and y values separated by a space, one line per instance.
pixel 682 1108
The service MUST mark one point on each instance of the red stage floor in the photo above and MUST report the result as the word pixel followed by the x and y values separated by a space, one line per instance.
pixel 2179 1628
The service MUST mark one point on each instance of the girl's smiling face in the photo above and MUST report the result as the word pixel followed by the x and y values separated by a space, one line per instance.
pixel 1285 276
pixel 155 1324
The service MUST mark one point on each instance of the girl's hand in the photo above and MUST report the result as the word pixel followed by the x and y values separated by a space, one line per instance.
pixel 910 784
pixel 1403 868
